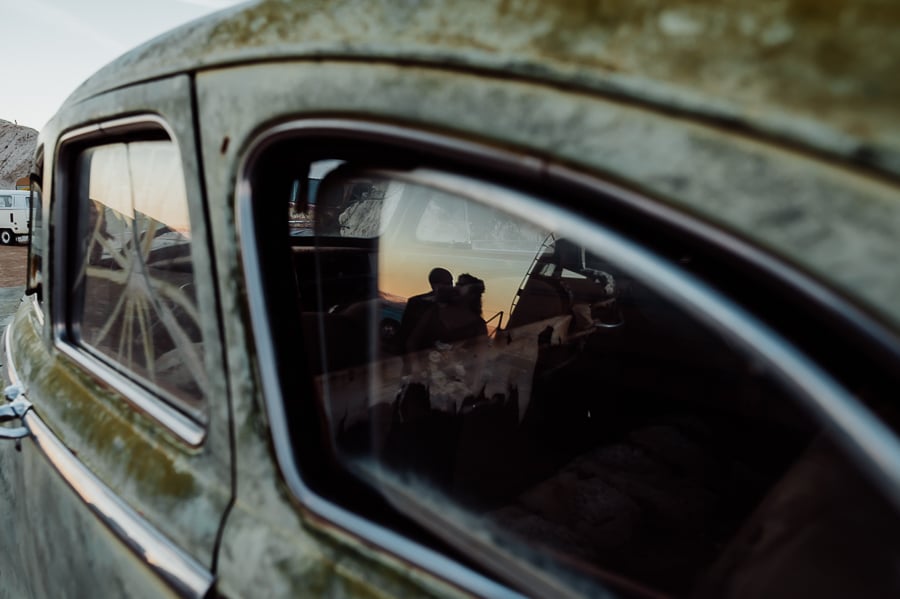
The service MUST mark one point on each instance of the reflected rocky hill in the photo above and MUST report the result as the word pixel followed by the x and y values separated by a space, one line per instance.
pixel 16 149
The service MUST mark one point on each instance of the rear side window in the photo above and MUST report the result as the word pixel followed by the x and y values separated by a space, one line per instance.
pixel 135 305
pixel 542 395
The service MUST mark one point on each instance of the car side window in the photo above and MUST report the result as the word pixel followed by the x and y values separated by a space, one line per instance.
pixel 135 302
pixel 600 423
pixel 501 376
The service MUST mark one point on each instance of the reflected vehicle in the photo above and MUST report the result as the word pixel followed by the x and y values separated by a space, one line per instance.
pixel 14 211
pixel 493 300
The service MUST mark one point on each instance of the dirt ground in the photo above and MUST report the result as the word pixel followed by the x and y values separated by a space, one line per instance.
pixel 12 265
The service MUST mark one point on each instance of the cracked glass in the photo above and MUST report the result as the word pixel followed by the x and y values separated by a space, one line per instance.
pixel 138 307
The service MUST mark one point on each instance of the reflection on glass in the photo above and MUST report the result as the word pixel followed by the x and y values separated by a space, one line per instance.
pixel 445 220
pixel 592 425
pixel 139 307
pixel 302 197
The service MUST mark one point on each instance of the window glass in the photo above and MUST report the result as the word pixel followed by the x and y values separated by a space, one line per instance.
pixel 6 201
pixel 138 308
pixel 35 245
pixel 510 387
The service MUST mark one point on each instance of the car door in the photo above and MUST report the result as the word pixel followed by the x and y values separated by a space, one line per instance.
pixel 121 483
pixel 662 391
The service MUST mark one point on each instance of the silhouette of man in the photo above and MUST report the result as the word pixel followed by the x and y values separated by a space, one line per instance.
pixel 417 306
pixel 462 318
pixel 454 314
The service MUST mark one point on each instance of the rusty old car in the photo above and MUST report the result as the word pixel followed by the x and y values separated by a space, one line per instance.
pixel 490 299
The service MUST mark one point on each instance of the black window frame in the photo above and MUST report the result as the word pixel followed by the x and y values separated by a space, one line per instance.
pixel 35 261
pixel 790 309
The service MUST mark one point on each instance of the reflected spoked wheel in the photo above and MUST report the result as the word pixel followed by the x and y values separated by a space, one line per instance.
pixel 7 237
pixel 141 309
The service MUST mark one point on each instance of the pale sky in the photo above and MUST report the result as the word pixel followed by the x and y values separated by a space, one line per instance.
pixel 48 47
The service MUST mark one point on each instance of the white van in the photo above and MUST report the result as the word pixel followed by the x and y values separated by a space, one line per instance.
pixel 14 215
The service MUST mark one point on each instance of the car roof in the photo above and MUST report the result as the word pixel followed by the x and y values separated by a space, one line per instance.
pixel 824 75
pixel 819 79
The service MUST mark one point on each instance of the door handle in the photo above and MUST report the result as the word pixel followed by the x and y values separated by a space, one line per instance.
pixel 17 408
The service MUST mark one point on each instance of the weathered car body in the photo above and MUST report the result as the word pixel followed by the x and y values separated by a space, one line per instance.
pixel 698 398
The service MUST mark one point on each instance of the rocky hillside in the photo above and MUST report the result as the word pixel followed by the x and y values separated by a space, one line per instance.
pixel 16 149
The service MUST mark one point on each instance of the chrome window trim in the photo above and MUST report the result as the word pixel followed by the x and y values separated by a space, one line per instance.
pixel 181 572
pixel 860 430
pixel 11 372
pixel 154 405
pixel 180 425
pixel 37 309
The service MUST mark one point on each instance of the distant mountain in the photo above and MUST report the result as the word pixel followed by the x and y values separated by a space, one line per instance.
pixel 16 151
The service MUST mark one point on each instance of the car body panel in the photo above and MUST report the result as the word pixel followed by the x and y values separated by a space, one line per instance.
pixel 67 534
pixel 178 489
pixel 791 203
pixel 664 103
pixel 746 191
pixel 700 57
